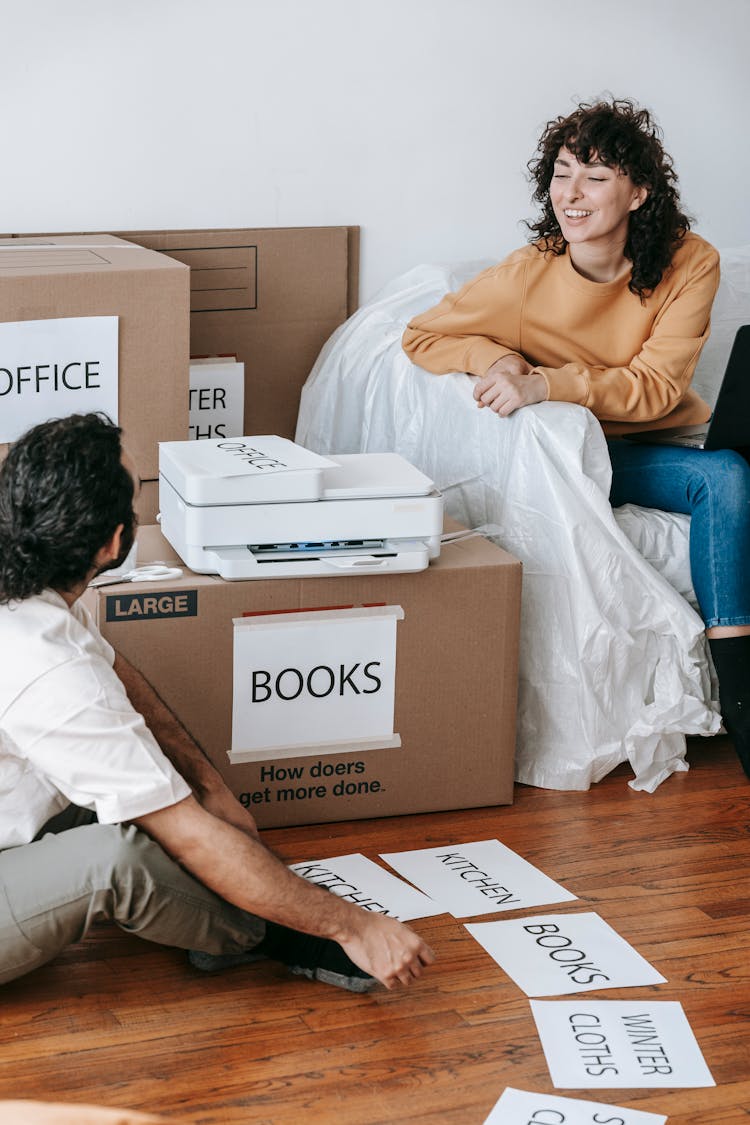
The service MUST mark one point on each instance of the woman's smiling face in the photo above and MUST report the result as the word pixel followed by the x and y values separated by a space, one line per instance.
pixel 593 202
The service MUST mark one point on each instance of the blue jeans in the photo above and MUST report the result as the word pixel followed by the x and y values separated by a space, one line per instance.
pixel 713 488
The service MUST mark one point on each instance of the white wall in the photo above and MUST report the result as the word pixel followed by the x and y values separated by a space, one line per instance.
pixel 412 118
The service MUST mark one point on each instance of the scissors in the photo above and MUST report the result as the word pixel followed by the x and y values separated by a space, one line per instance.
pixel 153 572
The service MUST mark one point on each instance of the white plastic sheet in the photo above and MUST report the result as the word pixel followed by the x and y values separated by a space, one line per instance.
pixel 613 660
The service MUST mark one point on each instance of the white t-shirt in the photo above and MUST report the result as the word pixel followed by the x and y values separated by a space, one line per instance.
pixel 68 732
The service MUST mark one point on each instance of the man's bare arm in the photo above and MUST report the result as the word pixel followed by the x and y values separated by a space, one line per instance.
pixel 242 871
pixel 182 750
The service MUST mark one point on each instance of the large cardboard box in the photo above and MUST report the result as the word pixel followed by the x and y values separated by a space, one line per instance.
pixel 270 297
pixel 455 681
pixel 53 278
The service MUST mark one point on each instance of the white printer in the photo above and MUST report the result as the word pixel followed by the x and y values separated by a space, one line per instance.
pixel 265 507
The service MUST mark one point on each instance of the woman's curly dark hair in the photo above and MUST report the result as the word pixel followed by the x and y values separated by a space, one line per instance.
pixel 63 492
pixel 621 135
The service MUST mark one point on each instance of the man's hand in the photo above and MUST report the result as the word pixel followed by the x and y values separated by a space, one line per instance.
pixel 242 871
pixel 509 384
pixel 385 948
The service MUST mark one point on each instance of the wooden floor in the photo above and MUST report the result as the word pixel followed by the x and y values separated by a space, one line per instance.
pixel 125 1024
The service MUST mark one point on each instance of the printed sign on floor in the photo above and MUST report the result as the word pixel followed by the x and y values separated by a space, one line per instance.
pixel 619 1043
pixel 314 682
pixel 53 368
pixel 555 954
pixel 357 879
pixel 518 1107
pixel 478 878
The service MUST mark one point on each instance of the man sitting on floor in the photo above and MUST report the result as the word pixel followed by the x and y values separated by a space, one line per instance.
pixel 108 808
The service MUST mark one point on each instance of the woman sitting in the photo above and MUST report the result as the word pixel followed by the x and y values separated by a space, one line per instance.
pixel 609 307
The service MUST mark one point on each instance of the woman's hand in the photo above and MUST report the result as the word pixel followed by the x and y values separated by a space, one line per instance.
pixel 509 384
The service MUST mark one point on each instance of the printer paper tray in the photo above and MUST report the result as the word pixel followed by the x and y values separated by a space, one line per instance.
pixel 395 557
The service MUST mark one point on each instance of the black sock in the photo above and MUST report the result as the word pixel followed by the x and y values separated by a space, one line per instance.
pixel 731 656
pixel 302 951
pixel 282 944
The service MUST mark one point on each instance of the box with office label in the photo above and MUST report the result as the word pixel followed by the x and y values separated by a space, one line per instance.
pixel 323 699
pixel 267 298
pixel 94 323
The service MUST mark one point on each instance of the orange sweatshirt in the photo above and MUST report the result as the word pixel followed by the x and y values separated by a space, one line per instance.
pixel 594 343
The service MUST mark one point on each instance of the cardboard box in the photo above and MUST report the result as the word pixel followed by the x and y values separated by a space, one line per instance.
pixel 455 681
pixel 147 503
pixel 99 276
pixel 271 297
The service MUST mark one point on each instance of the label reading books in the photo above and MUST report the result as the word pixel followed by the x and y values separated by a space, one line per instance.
pixel 314 682
pixel 555 954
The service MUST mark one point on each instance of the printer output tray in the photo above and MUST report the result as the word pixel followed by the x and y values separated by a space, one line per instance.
pixel 232 563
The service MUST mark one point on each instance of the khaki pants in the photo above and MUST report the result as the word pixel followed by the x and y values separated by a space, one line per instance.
pixel 53 889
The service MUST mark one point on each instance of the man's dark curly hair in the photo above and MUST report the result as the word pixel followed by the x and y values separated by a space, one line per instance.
pixel 63 492
pixel 621 135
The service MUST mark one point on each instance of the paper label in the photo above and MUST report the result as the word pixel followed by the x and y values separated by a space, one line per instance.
pixel 619 1043
pixel 479 878
pixel 555 954
pixel 314 682
pixel 154 606
pixel 251 456
pixel 519 1107
pixel 53 368
pixel 217 400
pixel 357 879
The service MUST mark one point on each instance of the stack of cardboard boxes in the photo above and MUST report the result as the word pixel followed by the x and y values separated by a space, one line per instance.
pixel 271 298
pixel 145 298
